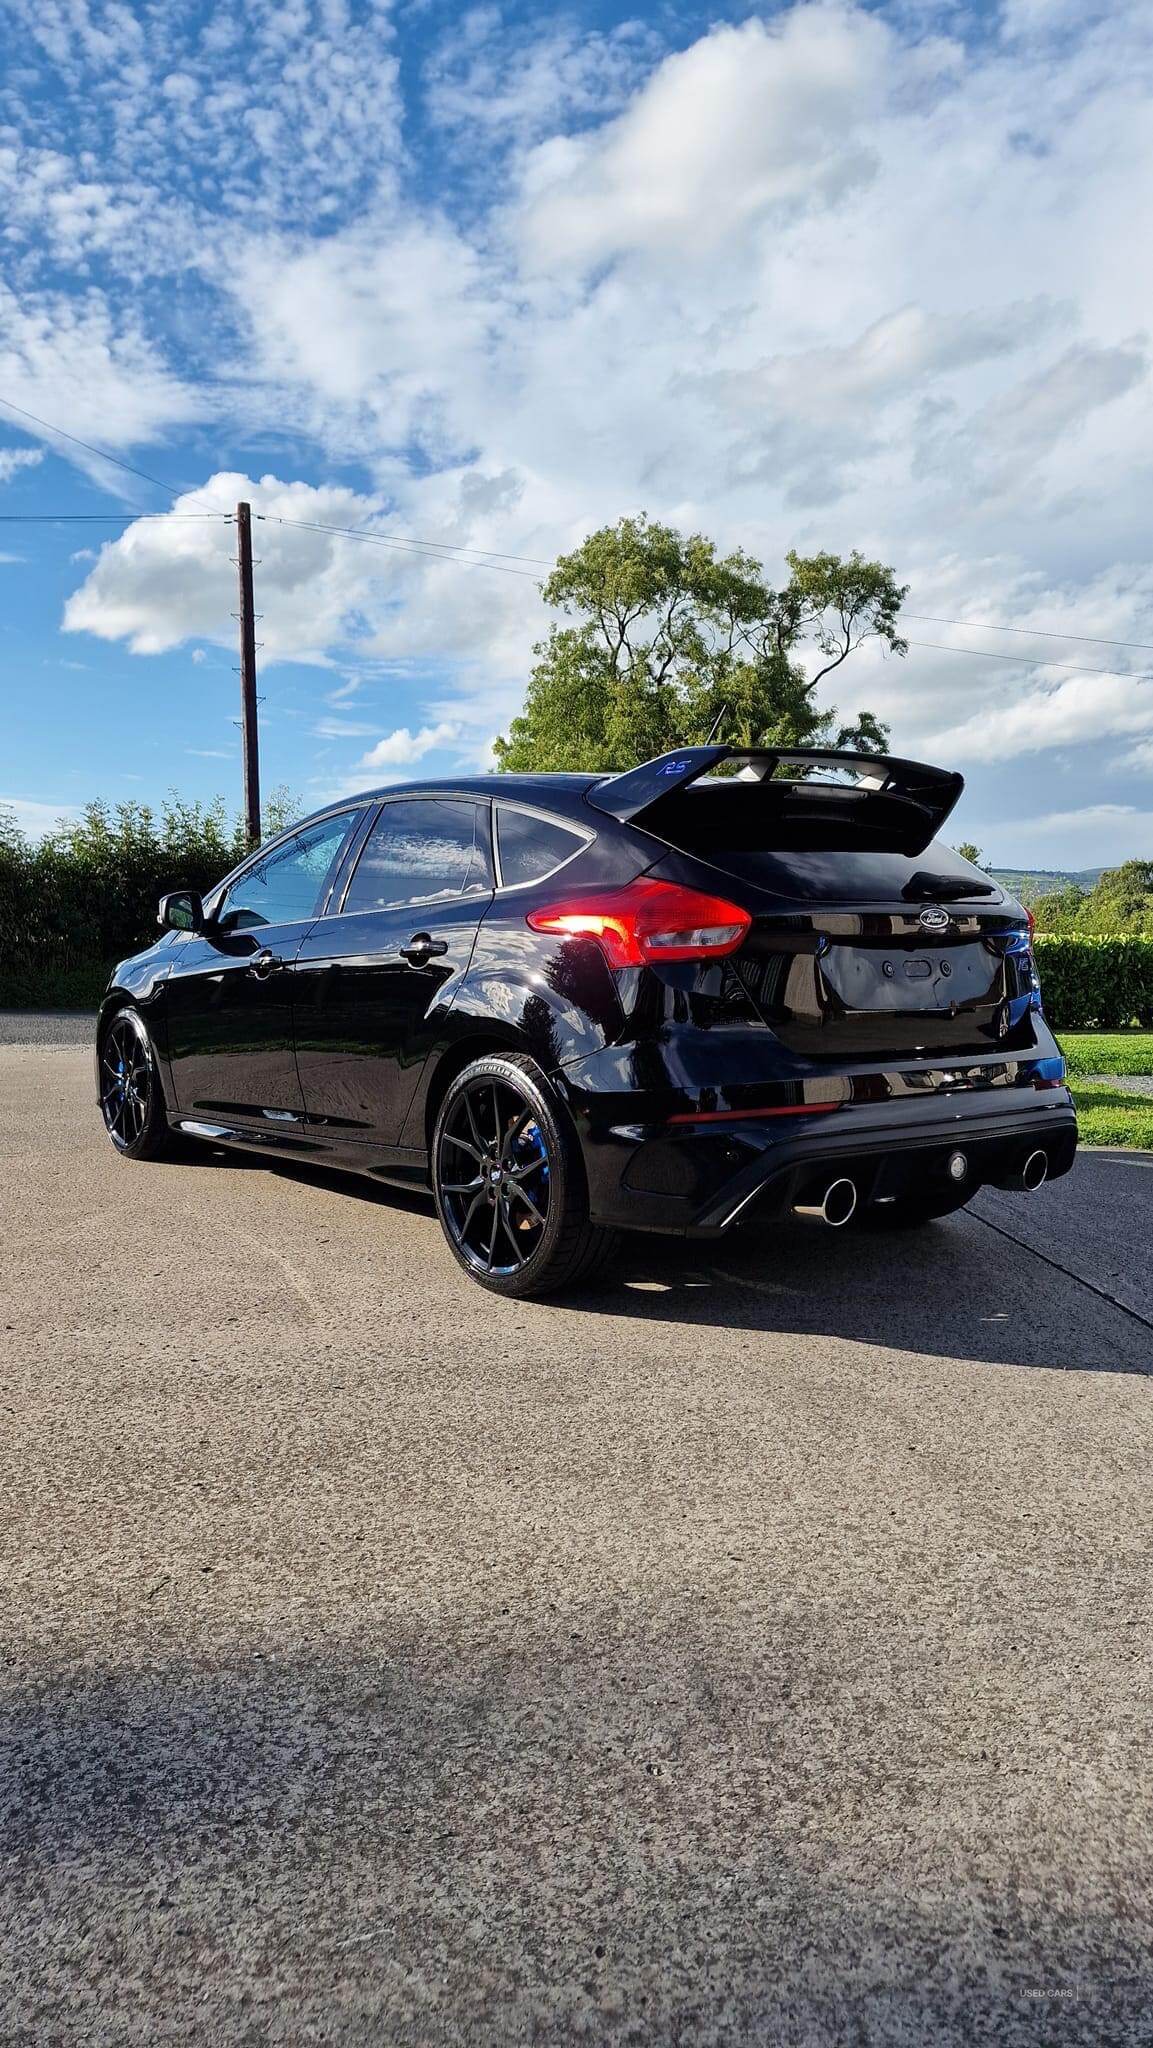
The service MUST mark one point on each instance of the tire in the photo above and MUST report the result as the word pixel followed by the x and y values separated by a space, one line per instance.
pixel 131 1094
pixel 913 1212
pixel 509 1182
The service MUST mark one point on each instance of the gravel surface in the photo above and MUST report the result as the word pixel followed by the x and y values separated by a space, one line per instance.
pixel 754 1649
pixel 1131 1084
pixel 47 1027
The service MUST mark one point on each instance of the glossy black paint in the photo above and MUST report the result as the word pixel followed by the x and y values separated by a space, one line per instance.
pixel 842 1031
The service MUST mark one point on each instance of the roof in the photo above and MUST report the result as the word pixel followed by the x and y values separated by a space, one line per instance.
pixel 530 788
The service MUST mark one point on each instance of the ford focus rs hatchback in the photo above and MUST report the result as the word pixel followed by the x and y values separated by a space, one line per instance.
pixel 721 985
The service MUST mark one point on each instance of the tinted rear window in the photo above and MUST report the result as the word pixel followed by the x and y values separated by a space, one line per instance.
pixel 824 856
pixel 531 847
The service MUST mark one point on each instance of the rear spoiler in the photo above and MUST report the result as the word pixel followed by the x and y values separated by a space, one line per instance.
pixel 919 796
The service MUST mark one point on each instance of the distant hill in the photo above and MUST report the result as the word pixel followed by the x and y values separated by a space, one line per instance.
pixel 1032 882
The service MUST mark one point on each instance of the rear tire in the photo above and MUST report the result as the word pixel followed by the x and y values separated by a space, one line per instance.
pixel 509 1182
pixel 131 1094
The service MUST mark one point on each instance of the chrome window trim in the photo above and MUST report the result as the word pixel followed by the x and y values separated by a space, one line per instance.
pixel 580 832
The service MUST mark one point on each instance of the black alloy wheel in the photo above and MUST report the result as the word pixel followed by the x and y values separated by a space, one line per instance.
pixel 508 1181
pixel 131 1098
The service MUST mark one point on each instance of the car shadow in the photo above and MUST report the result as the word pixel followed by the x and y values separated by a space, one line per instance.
pixel 956 1289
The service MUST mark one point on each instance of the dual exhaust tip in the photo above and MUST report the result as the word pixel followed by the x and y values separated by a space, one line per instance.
pixel 838 1204
pixel 1029 1176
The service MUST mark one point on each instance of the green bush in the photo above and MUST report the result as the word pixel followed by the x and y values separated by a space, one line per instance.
pixel 1105 983
pixel 80 900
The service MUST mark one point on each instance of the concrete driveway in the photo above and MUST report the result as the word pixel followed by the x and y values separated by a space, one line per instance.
pixel 754 1649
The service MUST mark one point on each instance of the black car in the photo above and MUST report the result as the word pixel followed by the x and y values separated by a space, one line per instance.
pixel 660 1000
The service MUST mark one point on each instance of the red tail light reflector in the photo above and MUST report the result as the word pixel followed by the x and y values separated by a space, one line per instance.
pixel 648 921
pixel 1031 921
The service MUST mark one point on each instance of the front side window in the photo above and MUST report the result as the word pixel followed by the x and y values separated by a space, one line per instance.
pixel 288 884
pixel 531 847
pixel 421 850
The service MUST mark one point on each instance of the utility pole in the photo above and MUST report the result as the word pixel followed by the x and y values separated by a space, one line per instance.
pixel 248 676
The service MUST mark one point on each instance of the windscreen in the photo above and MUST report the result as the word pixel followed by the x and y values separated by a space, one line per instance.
pixel 817 845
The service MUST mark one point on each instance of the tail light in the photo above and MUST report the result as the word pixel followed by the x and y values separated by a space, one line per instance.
pixel 1031 921
pixel 649 922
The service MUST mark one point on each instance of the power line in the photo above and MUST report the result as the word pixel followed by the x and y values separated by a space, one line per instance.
pixel 444 551
pixel 172 489
pixel 99 518
pixel 1037 632
pixel 1023 661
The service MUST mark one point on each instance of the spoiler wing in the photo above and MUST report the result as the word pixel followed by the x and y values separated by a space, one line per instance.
pixel 917 796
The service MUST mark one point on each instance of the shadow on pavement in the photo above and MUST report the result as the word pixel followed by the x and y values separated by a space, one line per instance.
pixel 955 1290
pixel 610 1833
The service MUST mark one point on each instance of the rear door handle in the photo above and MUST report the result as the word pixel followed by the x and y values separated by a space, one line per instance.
pixel 265 963
pixel 422 947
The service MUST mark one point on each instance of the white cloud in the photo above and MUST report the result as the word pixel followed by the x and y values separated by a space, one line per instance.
pixel 825 279
pixel 401 748
pixel 12 460
pixel 1094 835
pixel 74 361
pixel 35 819
pixel 749 120
pixel 1074 710
pixel 170 579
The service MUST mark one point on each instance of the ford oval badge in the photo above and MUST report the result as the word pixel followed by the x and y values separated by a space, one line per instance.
pixel 933 919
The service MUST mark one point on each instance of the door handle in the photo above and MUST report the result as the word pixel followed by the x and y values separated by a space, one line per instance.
pixel 422 947
pixel 265 963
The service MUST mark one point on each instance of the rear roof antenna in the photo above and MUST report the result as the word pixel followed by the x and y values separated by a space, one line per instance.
pixel 715 728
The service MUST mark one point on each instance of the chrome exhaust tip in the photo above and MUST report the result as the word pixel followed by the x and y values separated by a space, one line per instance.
pixel 1029 1176
pixel 835 1207
pixel 1035 1171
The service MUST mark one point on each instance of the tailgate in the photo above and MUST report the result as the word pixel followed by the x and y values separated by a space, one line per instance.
pixel 860 986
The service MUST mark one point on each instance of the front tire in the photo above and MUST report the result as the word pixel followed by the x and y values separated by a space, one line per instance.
pixel 131 1095
pixel 509 1182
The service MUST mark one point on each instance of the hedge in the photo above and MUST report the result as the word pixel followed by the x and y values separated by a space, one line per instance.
pixel 80 900
pixel 1097 983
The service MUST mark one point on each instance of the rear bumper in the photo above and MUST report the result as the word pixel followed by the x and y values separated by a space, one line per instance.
pixel 699 1180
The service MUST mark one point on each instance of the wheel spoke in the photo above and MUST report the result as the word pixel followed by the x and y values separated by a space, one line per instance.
pixel 516 1242
pixel 493 1237
pixel 463 1145
pixel 473 1206
pixel 472 1124
pixel 512 1134
pixel 461 1187
pixel 523 1194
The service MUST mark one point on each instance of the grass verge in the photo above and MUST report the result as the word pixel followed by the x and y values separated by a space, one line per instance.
pixel 1107 1116
pixel 1107 1052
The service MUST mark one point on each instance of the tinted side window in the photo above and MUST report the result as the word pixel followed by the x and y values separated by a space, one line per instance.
pixel 288 884
pixel 531 847
pixel 421 850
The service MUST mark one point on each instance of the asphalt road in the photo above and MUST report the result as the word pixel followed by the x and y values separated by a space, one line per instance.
pixel 753 1649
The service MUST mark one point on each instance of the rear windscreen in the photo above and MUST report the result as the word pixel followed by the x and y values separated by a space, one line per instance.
pixel 826 847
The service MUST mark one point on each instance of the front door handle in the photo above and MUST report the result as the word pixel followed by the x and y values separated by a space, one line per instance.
pixel 422 947
pixel 265 963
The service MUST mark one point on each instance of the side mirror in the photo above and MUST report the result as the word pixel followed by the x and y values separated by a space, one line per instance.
pixel 183 911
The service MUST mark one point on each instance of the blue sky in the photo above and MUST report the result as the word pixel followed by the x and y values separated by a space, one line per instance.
pixel 820 276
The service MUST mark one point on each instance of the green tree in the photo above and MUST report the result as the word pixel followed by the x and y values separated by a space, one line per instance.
pixel 969 852
pixel 1120 904
pixel 669 636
